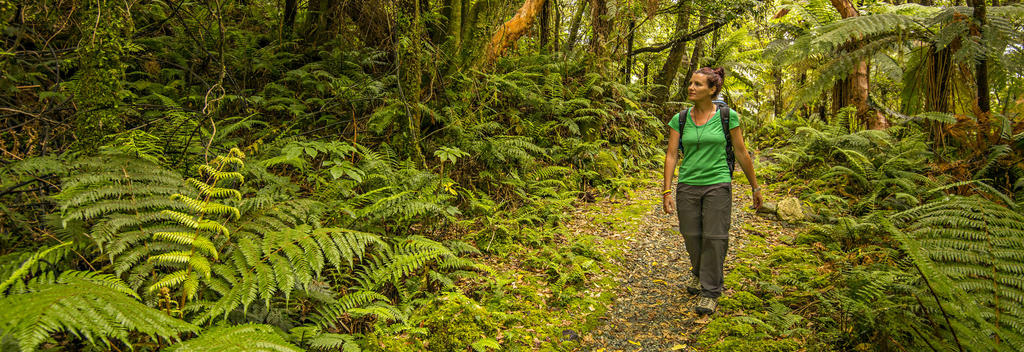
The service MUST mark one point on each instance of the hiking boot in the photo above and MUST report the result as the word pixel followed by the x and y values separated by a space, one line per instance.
pixel 706 305
pixel 693 286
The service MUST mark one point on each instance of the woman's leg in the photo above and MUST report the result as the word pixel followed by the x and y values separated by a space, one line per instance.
pixel 717 212
pixel 688 208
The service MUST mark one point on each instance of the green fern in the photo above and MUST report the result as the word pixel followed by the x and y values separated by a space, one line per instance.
pixel 281 262
pixel 94 307
pixel 972 251
pixel 196 246
pixel 241 338
pixel 30 264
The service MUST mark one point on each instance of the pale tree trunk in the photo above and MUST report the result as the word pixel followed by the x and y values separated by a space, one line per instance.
pixel 668 72
pixel 858 82
pixel 509 32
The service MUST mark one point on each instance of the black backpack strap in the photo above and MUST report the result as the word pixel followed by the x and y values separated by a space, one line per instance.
pixel 730 157
pixel 683 117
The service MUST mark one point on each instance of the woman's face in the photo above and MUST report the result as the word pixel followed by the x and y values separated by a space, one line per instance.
pixel 699 88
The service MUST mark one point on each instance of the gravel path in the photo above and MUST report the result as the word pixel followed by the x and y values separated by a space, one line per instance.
pixel 652 311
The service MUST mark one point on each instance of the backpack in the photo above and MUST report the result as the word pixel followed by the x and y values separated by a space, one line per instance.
pixel 723 114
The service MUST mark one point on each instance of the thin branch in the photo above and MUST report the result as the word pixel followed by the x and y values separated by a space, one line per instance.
pixel 700 32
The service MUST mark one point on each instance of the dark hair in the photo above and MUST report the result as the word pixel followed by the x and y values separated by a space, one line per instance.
pixel 715 77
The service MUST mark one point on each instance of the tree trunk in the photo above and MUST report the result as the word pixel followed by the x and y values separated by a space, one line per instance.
pixel 854 90
pixel 455 23
pixel 290 8
pixel 545 24
pixel 629 52
pixel 675 56
pixel 645 72
pixel 574 25
pixel 776 74
pixel 938 66
pixel 410 66
pixel 509 32
pixel 558 24
pixel 471 18
pixel 371 21
pixel 698 54
pixel 981 68
pixel 602 26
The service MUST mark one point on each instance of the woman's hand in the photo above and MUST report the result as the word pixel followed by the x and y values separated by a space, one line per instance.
pixel 668 202
pixel 757 198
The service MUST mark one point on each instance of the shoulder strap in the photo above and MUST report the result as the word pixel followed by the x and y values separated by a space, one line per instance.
pixel 724 114
pixel 683 117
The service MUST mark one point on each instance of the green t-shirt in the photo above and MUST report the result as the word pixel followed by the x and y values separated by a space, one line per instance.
pixel 704 162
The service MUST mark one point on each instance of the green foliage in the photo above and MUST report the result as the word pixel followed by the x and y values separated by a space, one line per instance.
pixel 246 337
pixel 195 247
pixel 456 321
pixel 31 265
pixel 97 308
pixel 282 262
pixel 970 253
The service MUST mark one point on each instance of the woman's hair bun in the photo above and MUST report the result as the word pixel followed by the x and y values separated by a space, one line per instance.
pixel 720 71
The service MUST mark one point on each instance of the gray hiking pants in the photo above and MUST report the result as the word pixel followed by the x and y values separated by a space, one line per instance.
pixel 704 218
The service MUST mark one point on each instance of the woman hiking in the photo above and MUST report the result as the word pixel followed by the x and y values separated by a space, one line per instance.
pixel 703 195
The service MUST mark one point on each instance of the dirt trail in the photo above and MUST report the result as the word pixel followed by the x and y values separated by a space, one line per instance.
pixel 652 311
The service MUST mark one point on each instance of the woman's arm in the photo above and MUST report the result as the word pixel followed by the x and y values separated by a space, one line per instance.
pixel 671 158
pixel 740 149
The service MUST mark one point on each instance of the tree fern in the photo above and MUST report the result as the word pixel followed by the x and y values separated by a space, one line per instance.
pixel 971 247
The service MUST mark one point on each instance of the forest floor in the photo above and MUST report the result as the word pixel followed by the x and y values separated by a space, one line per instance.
pixel 652 310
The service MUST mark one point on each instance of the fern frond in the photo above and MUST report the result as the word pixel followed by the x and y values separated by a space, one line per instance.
pixel 334 342
pixel 87 310
pixel 240 338
pixel 328 314
pixel 26 267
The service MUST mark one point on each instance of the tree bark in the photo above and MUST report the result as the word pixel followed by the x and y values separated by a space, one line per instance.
pixel 981 68
pixel 545 24
pixel 629 52
pixel 290 8
pixel 509 32
pixel 668 72
pixel 602 27
pixel 455 23
pixel 703 30
pixel 574 25
pixel 854 90
pixel 471 16
pixel 698 54
pixel 558 24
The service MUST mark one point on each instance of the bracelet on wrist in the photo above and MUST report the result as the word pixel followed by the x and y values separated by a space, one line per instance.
pixel 667 191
